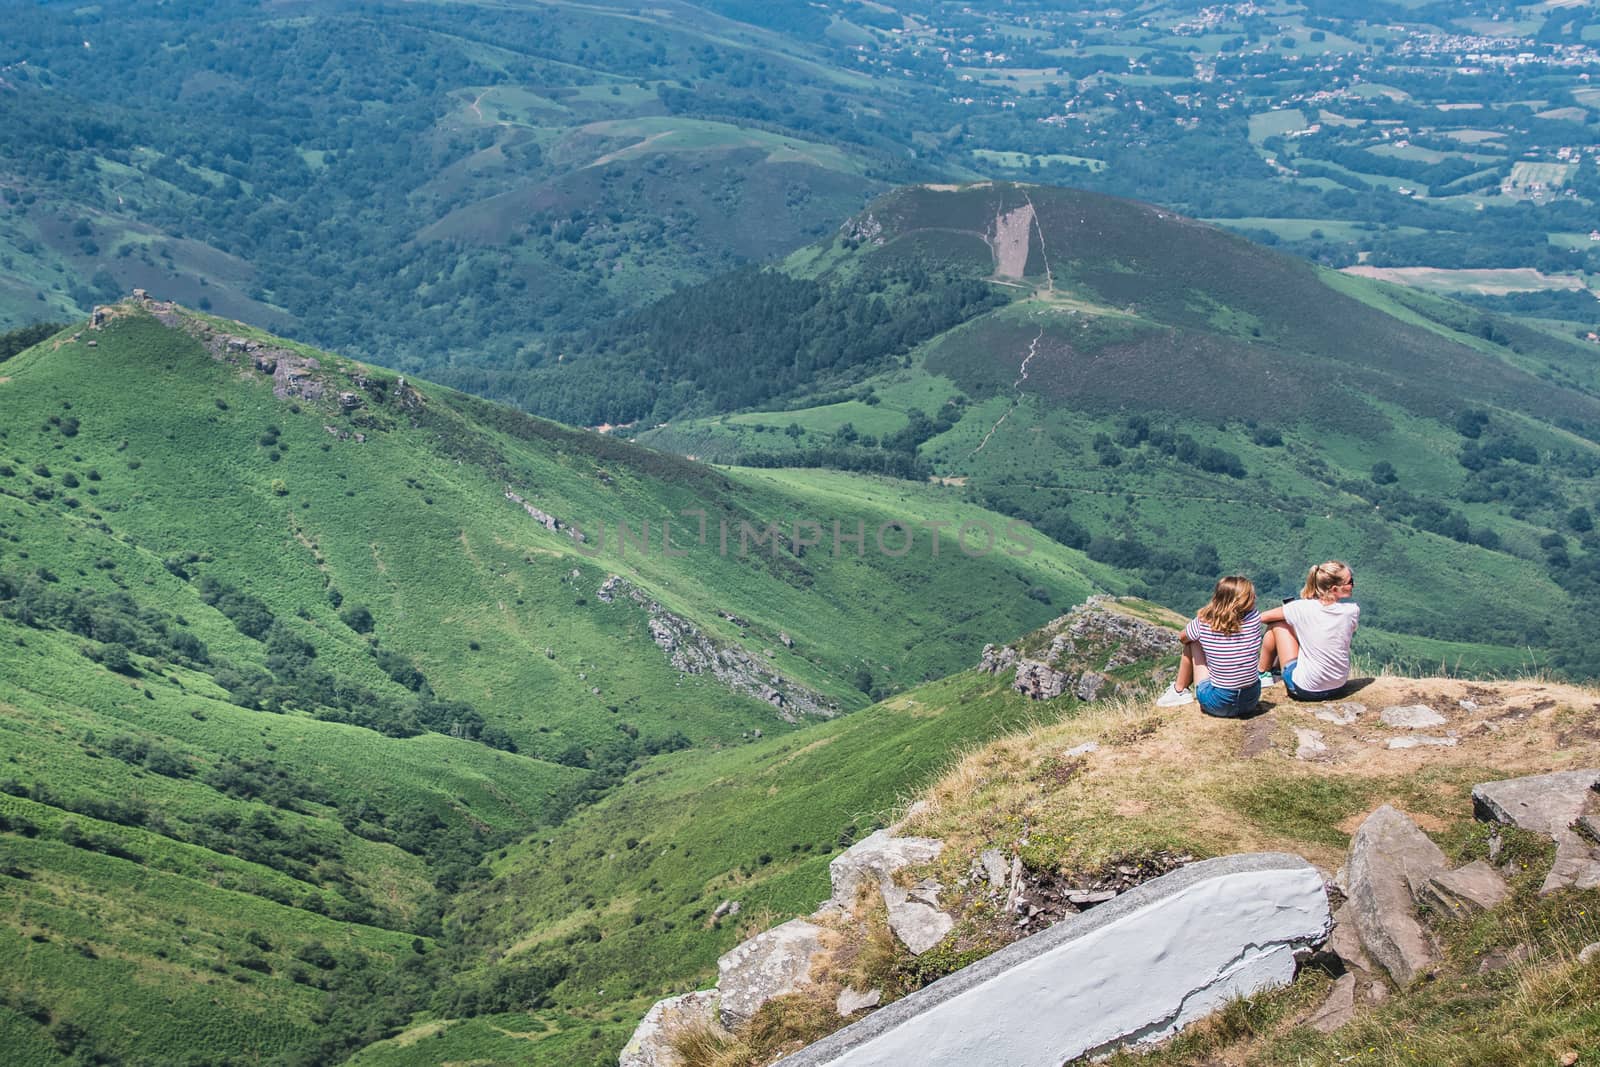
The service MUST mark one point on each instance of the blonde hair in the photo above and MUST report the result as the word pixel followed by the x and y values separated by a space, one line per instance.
pixel 1324 579
pixel 1231 601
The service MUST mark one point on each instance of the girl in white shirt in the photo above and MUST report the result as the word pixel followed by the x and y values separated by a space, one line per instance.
pixel 1311 636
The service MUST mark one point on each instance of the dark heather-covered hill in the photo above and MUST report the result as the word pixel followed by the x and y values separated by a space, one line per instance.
pixel 290 645
pixel 1173 399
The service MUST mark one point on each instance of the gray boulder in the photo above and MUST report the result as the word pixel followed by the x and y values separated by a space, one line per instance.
pixel 873 859
pixel 1390 862
pixel 1040 681
pixel 1549 804
pixel 768 965
pixel 1091 685
pixel 1421 741
pixel 651 1043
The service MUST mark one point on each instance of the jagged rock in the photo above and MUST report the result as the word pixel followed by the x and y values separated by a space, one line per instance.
pixel 1466 890
pixel 1345 941
pixel 555 525
pixel 650 1045
pixel 1082 750
pixel 914 915
pixel 1390 861
pixel 1589 952
pixel 1338 1009
pixel 1421 741
pixel 1309 745
pixel 873 859
pixel 1039 681
pixel 1411 717
pixel 785 640
pixel 994 867
pixel 997 658
pixel 725 909
pixel 768 965
pixel 850 1001
pixel 1091 685
pixel 1549 804
pixel 1341 714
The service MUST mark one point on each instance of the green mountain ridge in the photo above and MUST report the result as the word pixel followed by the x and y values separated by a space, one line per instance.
pixel 283 658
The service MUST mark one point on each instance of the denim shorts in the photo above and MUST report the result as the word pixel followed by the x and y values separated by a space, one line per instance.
pixel 1305 694
pixel 1227 703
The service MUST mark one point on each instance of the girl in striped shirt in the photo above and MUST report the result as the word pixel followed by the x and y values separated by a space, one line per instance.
pixel 1221 646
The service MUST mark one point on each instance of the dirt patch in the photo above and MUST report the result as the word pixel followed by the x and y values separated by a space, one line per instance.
pixel 1010 239
pixel 1256 739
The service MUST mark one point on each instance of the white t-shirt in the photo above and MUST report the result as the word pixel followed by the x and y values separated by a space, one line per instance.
pixel 1324 632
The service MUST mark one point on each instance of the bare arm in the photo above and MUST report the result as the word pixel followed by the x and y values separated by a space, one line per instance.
pixel 1272 615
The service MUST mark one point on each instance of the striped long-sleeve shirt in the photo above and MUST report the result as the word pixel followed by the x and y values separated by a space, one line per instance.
pixel 1231 658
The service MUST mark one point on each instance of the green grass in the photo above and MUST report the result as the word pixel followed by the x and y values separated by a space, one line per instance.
pixel 169 473
pixel 1266 124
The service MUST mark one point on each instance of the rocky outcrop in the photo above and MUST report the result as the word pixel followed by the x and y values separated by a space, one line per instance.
pixel 769 965
pixel 1550 804
pixel 693 651
pixel 1390 862
pixel 651 1043
pixel 1084 649
pixel 551 523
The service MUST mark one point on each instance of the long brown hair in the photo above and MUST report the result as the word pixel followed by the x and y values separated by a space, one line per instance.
pixel 1325 579
pixel 1231 601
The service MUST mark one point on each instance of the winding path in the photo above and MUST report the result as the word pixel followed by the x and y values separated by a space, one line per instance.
pixel 1016 387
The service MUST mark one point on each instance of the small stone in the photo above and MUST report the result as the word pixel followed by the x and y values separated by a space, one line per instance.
pixel 1411 717
pixel 1501 958
pixel 1309 746
pixel 851 1001
pixel 1340 714
pixel 1377 992
pixel 994 867
pixel 1082 750
pixel 1468 705
pixel 1589 952
pixel 1089 897
pixel 1569 1058
pixel 1422 741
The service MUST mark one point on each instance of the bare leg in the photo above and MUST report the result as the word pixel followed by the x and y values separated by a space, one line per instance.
pixel 1279 646
pixel 1201 671
pixel 1185 666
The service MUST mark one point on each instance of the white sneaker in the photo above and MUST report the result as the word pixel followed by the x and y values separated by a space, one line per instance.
pixel 1174 698
pixel 1269 679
